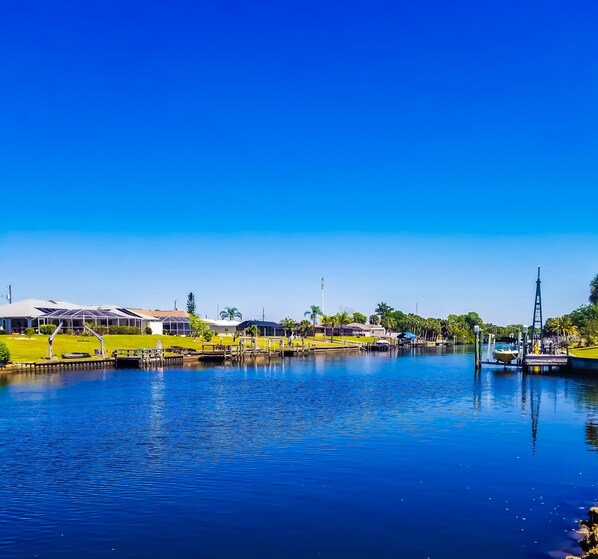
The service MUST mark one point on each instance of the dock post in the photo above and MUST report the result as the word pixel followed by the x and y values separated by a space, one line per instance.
pixel 478 347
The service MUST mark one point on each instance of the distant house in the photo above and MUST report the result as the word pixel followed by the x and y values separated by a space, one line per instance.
pixel 223 326
pixel 265 328
pixel 353 329
pixel 174 323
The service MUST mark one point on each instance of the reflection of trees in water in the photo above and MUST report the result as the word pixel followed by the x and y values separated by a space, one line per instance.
pixel 592 433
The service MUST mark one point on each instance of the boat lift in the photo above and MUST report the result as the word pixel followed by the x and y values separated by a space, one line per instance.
pixel 51 340
pixel 100 338
pixel 87 329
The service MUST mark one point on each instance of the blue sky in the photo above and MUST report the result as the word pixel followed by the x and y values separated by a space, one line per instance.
pixel 425 152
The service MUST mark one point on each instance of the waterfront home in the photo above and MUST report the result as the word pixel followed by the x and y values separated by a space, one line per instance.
pixel 352 329
pixel 33 313
pixel 226 327
pixel 265 328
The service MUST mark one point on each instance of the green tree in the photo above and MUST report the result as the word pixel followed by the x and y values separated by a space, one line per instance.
pixel 231 313
pixel 342 319
pixel 383 309
pixel 374 320
pixel 29 332
pixel 400 321
pixel 289 326
pixel 198 326
pixel 305 328
pixel 359 318
pixel 329 320
pixel 389 322
pixel 313 314
pixel 594 291
pixel 252 331
pixel 4 353
pixel 191 303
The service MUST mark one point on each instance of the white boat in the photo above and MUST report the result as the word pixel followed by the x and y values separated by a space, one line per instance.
pixel 383 343
pixel 506 352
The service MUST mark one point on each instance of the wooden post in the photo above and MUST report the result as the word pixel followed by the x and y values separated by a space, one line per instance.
pixel 478 347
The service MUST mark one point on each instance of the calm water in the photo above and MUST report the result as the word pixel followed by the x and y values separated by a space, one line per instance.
pixel 338 457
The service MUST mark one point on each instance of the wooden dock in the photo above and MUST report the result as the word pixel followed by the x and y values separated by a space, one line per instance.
pixel 546 361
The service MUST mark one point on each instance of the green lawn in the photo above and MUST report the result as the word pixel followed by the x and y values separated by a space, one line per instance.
pixel 35 348
pixel 585 352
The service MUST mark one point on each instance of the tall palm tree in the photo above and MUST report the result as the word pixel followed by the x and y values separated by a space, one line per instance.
pixel 594 291
pixel 383 309
pixel 313 314
pixel 230 313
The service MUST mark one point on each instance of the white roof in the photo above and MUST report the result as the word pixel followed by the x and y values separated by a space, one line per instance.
pixel 232 323
pixel 29 308
pixel 32 308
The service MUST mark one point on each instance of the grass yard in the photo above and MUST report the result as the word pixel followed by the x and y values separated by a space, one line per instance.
pixel 35 348
pixel 585 352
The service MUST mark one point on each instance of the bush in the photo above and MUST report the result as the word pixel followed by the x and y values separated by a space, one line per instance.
pixel 29 332
pixel 69 331
pixel 208 335
pixel 147 331
pixel 3 332
pixel 4 353
pixel 47 329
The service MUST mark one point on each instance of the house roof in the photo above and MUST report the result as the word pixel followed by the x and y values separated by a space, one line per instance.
pixel 162 314
pixel 32 308
pixel 231 323
pixel 259 323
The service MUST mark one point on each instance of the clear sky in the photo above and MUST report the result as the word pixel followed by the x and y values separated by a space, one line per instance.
pixel 412 152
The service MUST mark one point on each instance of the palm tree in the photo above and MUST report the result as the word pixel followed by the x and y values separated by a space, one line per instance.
pixel 289 325
pixel 594 291
pixel 313 314
pixel 383 309
pixel 389 323
pixel 342 319
pixel 231 313
pixel 328 320
pixel 304 328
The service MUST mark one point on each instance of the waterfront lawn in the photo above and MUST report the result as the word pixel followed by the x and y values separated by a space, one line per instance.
pixel 585 352
pixel 35 348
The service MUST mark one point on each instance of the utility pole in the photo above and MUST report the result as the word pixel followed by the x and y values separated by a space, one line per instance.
pixel 322 296
pixel 9 294
pixel 263 314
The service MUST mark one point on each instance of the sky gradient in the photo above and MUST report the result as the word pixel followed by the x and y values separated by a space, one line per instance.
pixel 425 152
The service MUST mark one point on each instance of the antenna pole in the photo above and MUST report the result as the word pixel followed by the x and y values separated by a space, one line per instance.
pixel 322 296
pixel 537 335
pixel 9 294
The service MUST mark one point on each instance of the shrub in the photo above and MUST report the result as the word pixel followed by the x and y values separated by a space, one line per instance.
pixel 3 332
pixel 47 329
pixel 147 331
pixel 208 335
pixel 4 353
pixel 69 331
pixel 29 332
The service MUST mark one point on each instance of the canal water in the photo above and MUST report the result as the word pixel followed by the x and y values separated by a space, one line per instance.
pixel 381 455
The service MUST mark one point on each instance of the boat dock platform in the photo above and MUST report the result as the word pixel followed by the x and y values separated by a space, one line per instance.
pixel 543 362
